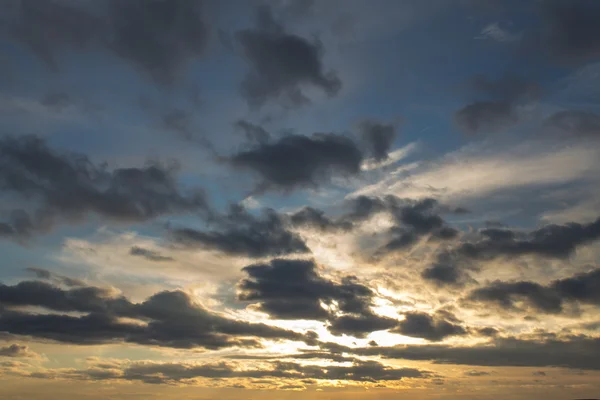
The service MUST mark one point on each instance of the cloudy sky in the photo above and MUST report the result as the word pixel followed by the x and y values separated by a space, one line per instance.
pixel 293 199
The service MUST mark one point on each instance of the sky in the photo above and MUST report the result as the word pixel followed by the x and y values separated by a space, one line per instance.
pixel 277 199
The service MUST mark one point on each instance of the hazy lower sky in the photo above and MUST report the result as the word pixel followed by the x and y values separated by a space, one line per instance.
pixel 328 199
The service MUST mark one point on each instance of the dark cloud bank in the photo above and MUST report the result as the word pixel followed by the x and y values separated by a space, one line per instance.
pixel 67 187
pixel 156 37
pixel 168 319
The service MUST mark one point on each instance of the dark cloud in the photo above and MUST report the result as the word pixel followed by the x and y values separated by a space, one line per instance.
pixel 254 133
pixel 485 116
pixel 17 225
pixel 40 272
pixel 554 241
pixel 313 218
pixel 66 187
pixel 181 123
pixel 49 27
pixel 157 37
pixel 360 325
pixel 443 274
pixel 181 373
pixel 241 233
pixel 507 294
pixel 431 327
pixel 178 121
pixel 293 289
pixel 378 137
pixel 281 64
pixel 57 101
pixel 148 254
pixel 577 123
pixel 299 161
pixel 364 207
pixel 412 219
pixel 579 352
pixel 508 88
pixel 495 107
pixel 415 219
pixel 305 354
pixel 58 279
pixel 168 319
pixel 570 31
pixel 448 270
pixel 581 288
pixel 16 350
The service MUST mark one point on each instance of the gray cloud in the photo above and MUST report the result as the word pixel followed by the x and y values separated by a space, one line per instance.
pixel 576 123
pixel 241 233
pixel 444 274
pixel 16 350
pixel 554 241
pixel 66 187
pixel 293 289
pixel 485 116
pixel 158 38
pixel 431 327
pixel 579 352
pixel 48 28
pixel 281 64
pixel 378 137
pixel 414 219
pixel 178 121
pixel 448 269
pixel 148 254
pixel 581 288
pixel 57 101
pixel 168 319
pixel 495 108
pixel 570 31
pixel 313 218
pixel 254 133
pixel 181 373
pixel 299 161
pixel 360 325
pixel 507 88
pixel 364 207
pixel 44 274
